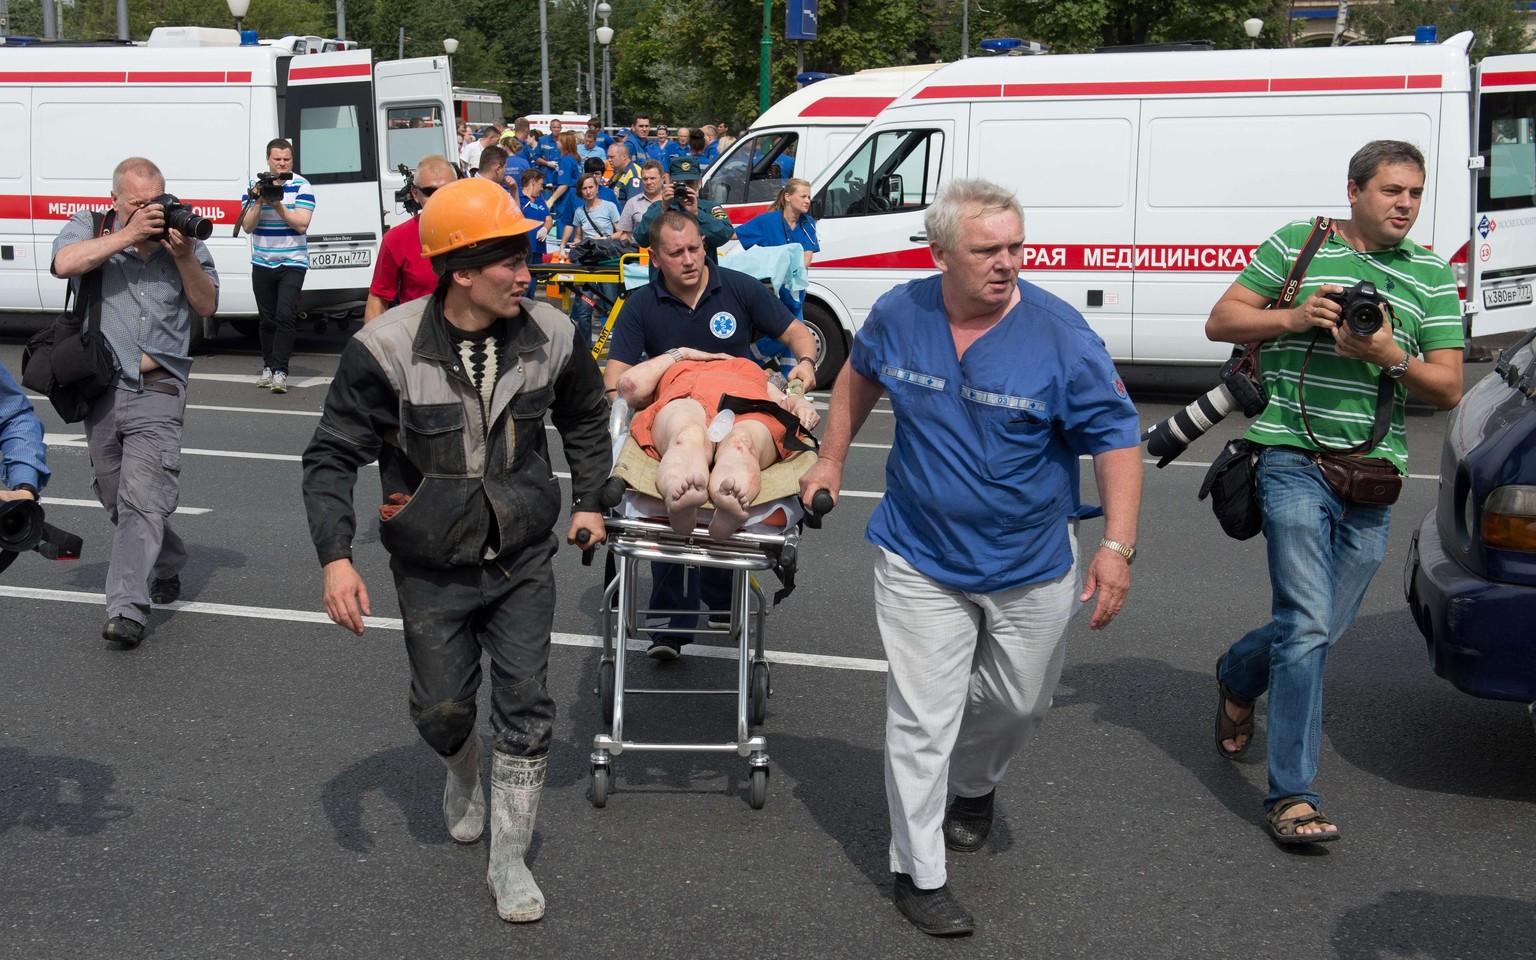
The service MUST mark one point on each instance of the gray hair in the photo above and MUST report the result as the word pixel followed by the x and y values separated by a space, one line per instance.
pixel 960 200
pixel 139 167
pixel 1369 158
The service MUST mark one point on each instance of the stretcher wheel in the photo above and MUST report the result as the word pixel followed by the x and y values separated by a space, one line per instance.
pixel 758 692
pixel 757 788
pixel 605 690
pixel 600 784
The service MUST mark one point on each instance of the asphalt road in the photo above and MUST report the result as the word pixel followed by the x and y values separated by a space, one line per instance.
pixel 248 784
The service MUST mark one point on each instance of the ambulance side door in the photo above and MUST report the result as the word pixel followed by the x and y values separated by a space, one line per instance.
pixel 1072 164
pixel 21 254
pixel 414 100
pixel 1502 257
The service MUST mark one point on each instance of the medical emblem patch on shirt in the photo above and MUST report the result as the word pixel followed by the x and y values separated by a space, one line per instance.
pixel 722 325
pixel 1120 388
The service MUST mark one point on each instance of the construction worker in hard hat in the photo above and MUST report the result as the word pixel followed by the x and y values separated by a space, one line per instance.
pixel 449 393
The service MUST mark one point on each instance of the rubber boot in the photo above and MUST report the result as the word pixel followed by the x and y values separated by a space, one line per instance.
pixel 463 796
pixel 515 786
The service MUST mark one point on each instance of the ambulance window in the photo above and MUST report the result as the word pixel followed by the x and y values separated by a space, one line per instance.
pixel 893 171
pixel 414 132
pixel 332 132
pixel 754 169
pixel 1507 139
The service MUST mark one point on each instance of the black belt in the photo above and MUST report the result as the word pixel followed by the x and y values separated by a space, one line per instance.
pixel 165 383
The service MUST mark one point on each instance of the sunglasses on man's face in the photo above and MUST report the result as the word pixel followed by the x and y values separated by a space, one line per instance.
pixel 428 191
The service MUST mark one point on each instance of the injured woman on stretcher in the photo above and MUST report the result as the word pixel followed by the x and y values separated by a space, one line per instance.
pixel 677 396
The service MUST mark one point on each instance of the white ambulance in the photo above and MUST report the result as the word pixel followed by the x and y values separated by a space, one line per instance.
pixel 203 108
pixel 1148 178
pixel 799 136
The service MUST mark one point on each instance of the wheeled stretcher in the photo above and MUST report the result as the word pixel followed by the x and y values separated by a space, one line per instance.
pixel 638 530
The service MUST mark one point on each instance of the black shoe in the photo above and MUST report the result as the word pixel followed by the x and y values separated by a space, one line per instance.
pixel 163 591
pixel 665 648
pixel 967 822
pixel 129 633
pixel 935 912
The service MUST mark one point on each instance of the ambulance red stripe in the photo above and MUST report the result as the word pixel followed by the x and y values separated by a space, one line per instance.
pixel 23 207
pixel 846 107
pixel 1152 88
pixel 1519 78
pixel 331 73
pixel 119 76
pixel 1204 258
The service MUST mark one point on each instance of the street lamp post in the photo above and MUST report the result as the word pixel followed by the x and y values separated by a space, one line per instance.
pixel 596 9
pixel 605 37
pixel 1253 26
pixel 237 9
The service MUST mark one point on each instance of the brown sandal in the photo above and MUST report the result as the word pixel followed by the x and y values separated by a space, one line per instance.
pixel 1226 727
pixel 1284 829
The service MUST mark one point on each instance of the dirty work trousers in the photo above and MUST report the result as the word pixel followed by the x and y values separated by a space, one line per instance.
pixel 504 608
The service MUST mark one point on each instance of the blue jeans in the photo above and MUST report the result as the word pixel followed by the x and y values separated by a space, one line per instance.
pixel 678 586
pixel 1323 551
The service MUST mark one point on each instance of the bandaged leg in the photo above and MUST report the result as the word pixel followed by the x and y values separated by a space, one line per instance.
pixel 738 474
pixel 682 477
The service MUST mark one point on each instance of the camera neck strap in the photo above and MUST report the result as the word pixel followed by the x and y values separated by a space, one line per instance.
pixel 87 299
pixel 1384 389
pixel 1321 228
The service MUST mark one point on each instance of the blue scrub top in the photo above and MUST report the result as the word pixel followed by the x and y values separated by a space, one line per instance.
pixel 569 172
pixel 983 474
pixel 769 229
pixel 538 210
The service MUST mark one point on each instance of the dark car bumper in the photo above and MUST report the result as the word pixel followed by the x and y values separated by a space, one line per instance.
pixel 1480 634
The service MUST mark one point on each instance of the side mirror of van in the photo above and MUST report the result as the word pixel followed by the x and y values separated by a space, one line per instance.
pixel 891 191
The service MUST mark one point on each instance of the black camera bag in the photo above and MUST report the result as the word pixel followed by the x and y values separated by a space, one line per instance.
pixel 70 361
pixel 1231 485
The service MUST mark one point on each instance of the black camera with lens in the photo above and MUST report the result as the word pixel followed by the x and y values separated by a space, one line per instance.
pixel 1360 308
pixel 182 218
pixel 404 196
pixel 270 188
pixel 1238 390
pixel 682 192
pixel 22 528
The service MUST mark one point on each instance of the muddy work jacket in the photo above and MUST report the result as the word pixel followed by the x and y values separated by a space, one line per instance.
pixel 479 480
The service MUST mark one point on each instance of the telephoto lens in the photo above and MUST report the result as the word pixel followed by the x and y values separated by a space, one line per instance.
pixel 21 525
pixel 1237 391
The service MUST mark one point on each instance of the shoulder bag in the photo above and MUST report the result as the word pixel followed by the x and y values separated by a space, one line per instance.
pixel 70 361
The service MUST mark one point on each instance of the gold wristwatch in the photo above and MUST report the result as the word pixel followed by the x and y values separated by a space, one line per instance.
pixel 1124 549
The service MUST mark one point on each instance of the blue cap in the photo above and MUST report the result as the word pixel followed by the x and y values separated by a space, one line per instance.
pixel 684 169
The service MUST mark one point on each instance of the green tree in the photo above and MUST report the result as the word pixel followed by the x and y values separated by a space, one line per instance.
pixel 1499 25
pixel 1076 26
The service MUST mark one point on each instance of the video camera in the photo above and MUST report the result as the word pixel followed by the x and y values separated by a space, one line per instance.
pixel 404 196
pixel 270 188
pixel 1239 389
pixel 22 528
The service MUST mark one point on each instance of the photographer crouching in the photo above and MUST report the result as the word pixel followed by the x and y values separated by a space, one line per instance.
pixel 1331 446
pixel 276 215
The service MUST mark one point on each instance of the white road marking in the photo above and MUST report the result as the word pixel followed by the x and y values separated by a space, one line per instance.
pixel 251 379
pixel 67 502
pixel 394 623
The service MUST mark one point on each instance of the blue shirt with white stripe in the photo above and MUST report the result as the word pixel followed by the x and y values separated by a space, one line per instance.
pixel 273 242
pixel 983 473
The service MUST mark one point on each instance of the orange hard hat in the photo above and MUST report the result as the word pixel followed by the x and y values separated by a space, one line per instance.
pixel 467 213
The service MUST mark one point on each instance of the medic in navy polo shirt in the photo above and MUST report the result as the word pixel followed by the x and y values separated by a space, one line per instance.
pixel 693 303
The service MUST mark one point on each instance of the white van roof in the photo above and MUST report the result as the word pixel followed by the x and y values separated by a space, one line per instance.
pixel 1321 70
pixel 134 64
pixel 840 101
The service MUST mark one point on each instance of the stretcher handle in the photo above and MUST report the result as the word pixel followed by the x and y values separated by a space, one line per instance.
pixel 583 537
pixel 821 505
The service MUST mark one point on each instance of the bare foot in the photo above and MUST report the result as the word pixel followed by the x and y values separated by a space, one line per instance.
pixel 683 495
pixel 1238 715
pixel 730 509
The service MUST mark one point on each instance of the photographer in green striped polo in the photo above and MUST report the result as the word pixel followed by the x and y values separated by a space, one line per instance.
pixel 1338 364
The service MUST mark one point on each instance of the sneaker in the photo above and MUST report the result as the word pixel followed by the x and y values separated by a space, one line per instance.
pixel 165 590
pixel 129 633
pixel 720 621
pixel 265 380
pixel 279 383
pixel 666 648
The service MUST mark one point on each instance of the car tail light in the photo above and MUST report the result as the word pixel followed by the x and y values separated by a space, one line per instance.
pixel 1459 270
pixel 1509 518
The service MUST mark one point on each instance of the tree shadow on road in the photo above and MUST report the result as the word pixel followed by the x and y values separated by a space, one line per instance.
pixel 45 793
pixel 1429 926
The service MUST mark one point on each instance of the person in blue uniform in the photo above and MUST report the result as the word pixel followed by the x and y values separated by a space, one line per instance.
pixel 604 141
pixel 535 208
pixel 568 170
pixel 694 303
pixel 998 388
pixel 788 221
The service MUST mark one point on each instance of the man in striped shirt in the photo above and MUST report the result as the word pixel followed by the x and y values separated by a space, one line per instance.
pixel 1323 548
pixel 279 258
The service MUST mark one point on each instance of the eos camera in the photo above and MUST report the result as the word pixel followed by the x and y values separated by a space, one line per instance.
pixel 682 192
pixel 22 528
pixel 1238 390
pixel 1360 307
pixel 182 218
pixel 270 188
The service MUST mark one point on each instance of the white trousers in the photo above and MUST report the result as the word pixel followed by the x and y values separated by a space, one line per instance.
pixel 971 677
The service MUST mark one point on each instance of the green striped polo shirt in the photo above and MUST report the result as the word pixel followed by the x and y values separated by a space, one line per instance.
pixel 1341 392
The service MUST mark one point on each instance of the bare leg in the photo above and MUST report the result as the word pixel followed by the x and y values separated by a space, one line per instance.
pixel 683 476
pixel 738 475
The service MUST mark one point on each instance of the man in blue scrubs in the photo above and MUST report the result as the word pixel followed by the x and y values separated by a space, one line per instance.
pixel 997 388
pixel 694 303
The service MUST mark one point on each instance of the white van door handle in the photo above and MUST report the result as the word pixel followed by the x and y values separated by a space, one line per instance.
pixel 919 238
